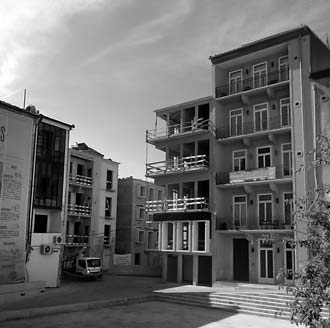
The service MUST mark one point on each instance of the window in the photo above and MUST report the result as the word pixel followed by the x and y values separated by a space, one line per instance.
pixel 82 263
pixel 285 112
pixel 140 236
pixel 264 157
pixel 109 180
pixel 167 236
pixel 80 169
pixel 236 122
pixel 150 240
pixel 288 207
pixel 137 259
pixel 239 160
pixel 201 232
pixel 160 195
pixel 70 170
pixel 283 67
pixel 265 209
pixel 259 75
pixel 108 205
pixel 183 236
pixel 287 160
pixel 151 194
pixel 260 117
pixel 107 234
pixel 141 213
pixel 235 81
pixel 142 191
pixel 89 172
pixel 239 211
pixel 40 223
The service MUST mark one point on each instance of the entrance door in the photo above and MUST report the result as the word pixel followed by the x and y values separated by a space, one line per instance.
pixel 266 261
pixel 241 259
pixel 172 268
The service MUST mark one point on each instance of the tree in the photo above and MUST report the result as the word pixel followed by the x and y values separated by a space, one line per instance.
pixel 312 290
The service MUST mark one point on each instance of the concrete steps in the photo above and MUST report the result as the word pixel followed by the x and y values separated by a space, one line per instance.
pixel 275 305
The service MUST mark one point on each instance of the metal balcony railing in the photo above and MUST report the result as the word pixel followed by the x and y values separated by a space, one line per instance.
pixel 254 126
pixel 253 224
pixel 81 180
pixel 178 129
pixel 81 210
pixel 259 81
pixel 174 205
pixel 254 174
pixel 76 240
pixel 189 163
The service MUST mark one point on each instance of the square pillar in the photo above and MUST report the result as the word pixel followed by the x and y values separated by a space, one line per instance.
pixel 164 267
pixel 179 271
pixel 195 269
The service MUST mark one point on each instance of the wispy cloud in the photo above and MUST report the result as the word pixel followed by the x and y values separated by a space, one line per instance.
pixel 149 32
pixel 26 28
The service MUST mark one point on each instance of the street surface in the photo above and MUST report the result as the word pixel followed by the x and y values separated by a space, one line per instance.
pixel 150 315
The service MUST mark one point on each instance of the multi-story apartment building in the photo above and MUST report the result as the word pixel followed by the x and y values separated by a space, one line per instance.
pixel 185 214
pixel 136 234
pixel 270 104
pixel 92 204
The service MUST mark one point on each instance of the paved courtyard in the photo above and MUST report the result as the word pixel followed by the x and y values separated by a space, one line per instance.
pixel 149 315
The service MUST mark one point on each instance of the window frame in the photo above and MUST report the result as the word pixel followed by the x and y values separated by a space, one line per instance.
pixel 257 71
pixel 265 207
pixel 239 158
pixel 263 155
pixel 236 89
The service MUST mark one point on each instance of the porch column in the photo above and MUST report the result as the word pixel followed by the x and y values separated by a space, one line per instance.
pixel 195 269
pixel 179 268
pixel 164 267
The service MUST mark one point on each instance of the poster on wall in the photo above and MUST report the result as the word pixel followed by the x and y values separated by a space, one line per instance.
pixel 122 259
pixel 16 139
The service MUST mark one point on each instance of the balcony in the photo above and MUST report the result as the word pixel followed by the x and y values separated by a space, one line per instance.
pixel 184 164
pixel 193 127
pixel 252 127
pixel 79 210
pixel 176 205
pixel 271 79
pixel 229 224
pixel 253 175
pixel 81 180
pixel 76 240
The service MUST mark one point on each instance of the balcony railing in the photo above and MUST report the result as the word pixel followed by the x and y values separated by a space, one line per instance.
pixel 81 180
pixel 251 127
pixel 76 240
pixel 254 174
pixel 254 224
pixel 81 210
pixel 178 129
pixel 252 83
pixel 190 163
pixel 174 205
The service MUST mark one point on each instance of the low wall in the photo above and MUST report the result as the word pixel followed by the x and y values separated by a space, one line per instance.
pixel 135 270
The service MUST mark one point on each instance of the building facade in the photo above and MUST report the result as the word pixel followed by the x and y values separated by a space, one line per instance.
pixel 45 248
pixel 270 105
pixel 92 204
pixel 136 234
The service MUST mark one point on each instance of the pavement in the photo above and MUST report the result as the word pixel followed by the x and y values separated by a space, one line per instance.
pixel 122 301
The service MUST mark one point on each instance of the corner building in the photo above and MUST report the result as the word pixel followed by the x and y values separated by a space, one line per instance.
pixel 270 105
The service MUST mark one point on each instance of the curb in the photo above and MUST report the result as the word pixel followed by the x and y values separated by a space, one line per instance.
pixel 77 307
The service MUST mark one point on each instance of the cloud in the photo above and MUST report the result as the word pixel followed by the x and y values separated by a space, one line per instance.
pixel 149 32
pixel 26 30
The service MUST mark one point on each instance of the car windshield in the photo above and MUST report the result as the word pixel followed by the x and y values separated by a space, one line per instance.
pixel 94 262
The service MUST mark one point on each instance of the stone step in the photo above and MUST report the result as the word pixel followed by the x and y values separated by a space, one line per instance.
pixel 227 306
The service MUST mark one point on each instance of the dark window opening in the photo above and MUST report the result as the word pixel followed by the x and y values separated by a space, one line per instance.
pixel 40 223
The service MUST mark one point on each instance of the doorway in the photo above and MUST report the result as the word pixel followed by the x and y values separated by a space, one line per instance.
pixel 241 259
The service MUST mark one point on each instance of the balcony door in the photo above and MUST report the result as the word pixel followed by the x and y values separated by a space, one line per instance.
pixel 265 209
pixel 239 160
pixel 259 75
pixel 264 157
pixel 235 82
pixel 239 211
pixel 285 112
pixel 287 160
pixel 236 122
pixel 260 117
pixel 283 67
pixel 266 261
pixel 289 262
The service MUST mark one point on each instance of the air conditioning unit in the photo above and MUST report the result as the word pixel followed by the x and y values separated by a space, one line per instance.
pixel 46 249
pixel 58 239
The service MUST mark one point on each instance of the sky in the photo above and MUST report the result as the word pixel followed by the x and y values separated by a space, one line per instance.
pixel 106 65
